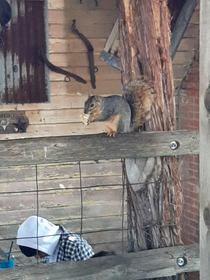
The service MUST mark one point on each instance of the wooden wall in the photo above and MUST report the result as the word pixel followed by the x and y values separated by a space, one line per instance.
pixel 59 200
pixel 62 115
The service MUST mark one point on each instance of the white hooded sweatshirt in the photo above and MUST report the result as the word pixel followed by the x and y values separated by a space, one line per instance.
pixel 47 238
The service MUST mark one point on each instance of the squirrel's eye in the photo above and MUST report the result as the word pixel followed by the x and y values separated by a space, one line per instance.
pixel 91 105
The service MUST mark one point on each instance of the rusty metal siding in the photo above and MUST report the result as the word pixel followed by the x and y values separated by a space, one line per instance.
pixel 23 77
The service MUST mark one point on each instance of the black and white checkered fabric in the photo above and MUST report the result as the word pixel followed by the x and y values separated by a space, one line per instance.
pixel 73 248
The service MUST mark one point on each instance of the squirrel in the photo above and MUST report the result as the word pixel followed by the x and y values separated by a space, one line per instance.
pixel 120 114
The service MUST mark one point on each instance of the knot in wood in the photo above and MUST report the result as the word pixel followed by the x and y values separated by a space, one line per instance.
pixel 206 216
pixel 207 99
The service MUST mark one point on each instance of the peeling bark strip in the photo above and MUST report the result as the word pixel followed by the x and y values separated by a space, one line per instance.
pixel 144 35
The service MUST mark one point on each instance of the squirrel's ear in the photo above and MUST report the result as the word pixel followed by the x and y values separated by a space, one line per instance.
pixel 97 98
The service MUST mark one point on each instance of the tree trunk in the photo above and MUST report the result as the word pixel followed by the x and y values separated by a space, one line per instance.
pixel 155 203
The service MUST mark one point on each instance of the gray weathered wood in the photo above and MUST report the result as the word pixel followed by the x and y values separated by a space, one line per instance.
pixel 142 265
pixel 96 147
pixel 204 139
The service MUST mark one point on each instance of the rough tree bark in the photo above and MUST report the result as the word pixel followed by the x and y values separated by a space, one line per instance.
pixel 155 198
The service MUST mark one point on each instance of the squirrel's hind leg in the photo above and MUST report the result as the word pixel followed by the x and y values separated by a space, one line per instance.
pixel 111 125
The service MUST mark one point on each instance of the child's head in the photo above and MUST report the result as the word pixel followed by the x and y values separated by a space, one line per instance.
pixel 37 237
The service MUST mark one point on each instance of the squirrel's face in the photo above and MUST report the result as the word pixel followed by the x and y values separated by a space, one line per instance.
pixel 93 108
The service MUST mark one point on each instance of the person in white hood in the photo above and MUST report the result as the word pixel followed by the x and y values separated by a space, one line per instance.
pixel 39 238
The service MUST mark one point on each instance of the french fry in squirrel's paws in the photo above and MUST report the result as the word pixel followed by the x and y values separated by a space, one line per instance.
pixel 85 118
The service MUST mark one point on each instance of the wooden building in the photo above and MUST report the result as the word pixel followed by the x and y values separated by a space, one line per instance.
pixel 88 196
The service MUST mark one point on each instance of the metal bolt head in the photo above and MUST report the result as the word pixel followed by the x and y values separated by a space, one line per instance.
pixel 181 261
pixel 174 145
pixel 15 68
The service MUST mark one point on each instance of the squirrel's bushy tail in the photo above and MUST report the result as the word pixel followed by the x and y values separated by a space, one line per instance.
pixel 140 98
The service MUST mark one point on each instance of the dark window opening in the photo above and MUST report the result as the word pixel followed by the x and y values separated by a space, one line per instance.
pixel 175 7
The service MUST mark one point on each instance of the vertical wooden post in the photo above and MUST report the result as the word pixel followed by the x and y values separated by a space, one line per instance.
pixel 204 140
pixel 155 209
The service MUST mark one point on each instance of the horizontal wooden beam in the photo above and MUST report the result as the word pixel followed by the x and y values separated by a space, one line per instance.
pixel 141 265
pixel 48 150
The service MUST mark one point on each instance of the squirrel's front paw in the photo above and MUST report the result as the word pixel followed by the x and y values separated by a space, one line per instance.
pixel 111 133
pixel 110 128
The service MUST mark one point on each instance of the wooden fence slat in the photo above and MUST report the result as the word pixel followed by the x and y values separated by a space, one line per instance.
pixel 142 265
pixel 96 147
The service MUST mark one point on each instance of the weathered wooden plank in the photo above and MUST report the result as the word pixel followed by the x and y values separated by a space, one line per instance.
pixel 95 210
pixel 61 4
pixel 15 185
pixel 204 129
pixel 141 265
pixel 61 129
pixel 69 95
pixel 95 147
pixel 62 198
pixel 54 4
pixel 103 88
pixel 68 174
pixel 91 17
pixel 51 172
pixel 54 116
pixel 101 31
pixel 73 60
pixel 74 45
pixel 59 100
pixel 17 174
pixel 105 72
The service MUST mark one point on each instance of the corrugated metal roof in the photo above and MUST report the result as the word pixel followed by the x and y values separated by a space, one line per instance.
pixel 23 78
